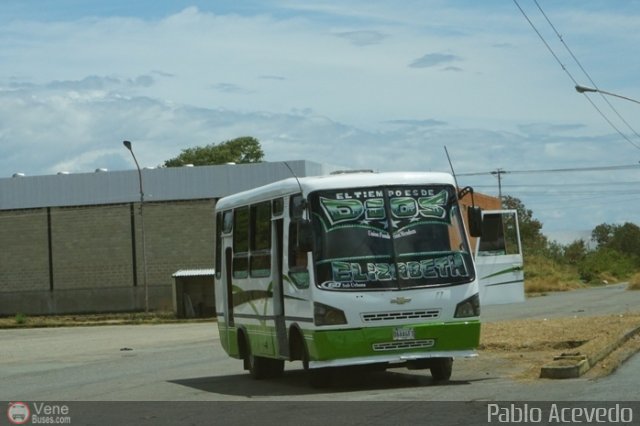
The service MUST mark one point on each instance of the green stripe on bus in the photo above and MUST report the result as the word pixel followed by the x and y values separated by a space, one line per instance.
pixel 340 344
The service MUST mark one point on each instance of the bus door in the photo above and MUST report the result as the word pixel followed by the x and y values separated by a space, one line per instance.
pixel 499 259
pixel 278 290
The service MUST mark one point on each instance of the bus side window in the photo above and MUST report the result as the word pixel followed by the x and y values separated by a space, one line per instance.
pixel 241 242
pixel 260 238
pixel 277 207
pixel 298 271
pixel 218 264
pixel 492 242
pixel 297 258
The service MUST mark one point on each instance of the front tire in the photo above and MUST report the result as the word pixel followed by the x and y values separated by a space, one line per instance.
pixel 441 369
pixel 318 378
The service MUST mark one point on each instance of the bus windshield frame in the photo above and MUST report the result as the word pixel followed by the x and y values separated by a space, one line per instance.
pixel 355 251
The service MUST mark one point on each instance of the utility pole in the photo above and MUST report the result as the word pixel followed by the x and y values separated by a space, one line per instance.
pixel 499 172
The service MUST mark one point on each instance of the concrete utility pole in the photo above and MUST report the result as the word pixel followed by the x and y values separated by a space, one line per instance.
pixel 499 173
pixel 127 144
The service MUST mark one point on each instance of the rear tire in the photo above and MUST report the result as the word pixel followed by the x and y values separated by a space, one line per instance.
pixel 258 366
pixel 441 369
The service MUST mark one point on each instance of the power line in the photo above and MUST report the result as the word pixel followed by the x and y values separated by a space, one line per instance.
pixel 572 78
pixel 561 185
pixel 563 170
pixel 593 83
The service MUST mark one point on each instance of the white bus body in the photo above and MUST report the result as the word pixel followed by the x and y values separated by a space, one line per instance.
pixel 344 270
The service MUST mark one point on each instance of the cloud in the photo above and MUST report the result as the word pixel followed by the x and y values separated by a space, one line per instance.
pixel 504 45
pixel 433 59
pixel 44 131
pixel 452 68
pixel 92 82
pixel 272 77
pixel 540 130
pixel 417 123
pixel 363 37
pixel 231 88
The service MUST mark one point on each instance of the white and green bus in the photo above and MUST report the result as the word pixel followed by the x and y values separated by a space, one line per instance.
pixel 351 269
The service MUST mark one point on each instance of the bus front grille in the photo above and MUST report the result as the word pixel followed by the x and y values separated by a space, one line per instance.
pixel 400 315
pixel 405 344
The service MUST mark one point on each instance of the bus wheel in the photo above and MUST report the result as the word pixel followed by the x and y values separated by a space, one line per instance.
pixel 317 377
pixel 320 377
pixel 258 366
pixel 276 367
pixel 441 369
pixel 261 367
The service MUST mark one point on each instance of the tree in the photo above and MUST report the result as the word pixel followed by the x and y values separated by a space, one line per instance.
pixel 575 252
pixel 626 240
pixel 602 234
pixel 240 150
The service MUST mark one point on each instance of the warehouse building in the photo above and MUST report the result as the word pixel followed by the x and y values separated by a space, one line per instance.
pixel 73 243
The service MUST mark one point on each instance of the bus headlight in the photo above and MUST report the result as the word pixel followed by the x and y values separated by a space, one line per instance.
pixel 327 315
pixel 469 307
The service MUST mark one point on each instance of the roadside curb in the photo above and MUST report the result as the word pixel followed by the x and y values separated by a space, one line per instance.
pixel 98 323
pixel 573 365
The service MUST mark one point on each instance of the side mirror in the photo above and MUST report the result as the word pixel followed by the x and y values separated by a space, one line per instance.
pixel 474 219
pixel 305 236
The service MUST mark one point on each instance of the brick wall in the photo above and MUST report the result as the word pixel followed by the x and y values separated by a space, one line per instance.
pixel 24 253
pixel 91 247
pixel 92 255
pixel 178 235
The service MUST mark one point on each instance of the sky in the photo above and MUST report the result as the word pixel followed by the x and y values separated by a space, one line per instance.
pixel 381 85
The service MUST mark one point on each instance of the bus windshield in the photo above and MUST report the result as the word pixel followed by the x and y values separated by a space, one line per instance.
pixel 389 237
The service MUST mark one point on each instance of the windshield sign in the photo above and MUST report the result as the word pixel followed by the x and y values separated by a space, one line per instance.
pixel 389 237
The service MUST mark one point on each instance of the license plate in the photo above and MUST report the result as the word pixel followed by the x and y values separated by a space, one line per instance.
pixel 404 334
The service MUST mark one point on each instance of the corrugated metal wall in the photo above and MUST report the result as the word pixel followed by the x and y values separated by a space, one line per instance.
pixel 162 184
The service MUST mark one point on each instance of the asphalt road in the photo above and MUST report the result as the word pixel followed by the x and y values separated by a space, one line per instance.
pixel 606 300
pixel 184 362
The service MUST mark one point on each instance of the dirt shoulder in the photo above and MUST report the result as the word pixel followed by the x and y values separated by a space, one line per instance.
pixel 84 320
pixel 523 347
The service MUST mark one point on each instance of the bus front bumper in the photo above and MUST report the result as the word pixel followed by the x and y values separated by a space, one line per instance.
pixel 392 344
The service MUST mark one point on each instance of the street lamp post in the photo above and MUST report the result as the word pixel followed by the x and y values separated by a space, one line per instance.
pixel 583 89
pixel 127 144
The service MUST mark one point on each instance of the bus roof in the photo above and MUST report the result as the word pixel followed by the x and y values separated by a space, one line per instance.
pixel 334 181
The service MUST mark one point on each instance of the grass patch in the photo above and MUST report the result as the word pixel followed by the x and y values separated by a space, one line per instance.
pixel 21 321
pixel 542 275
pixel 634 282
